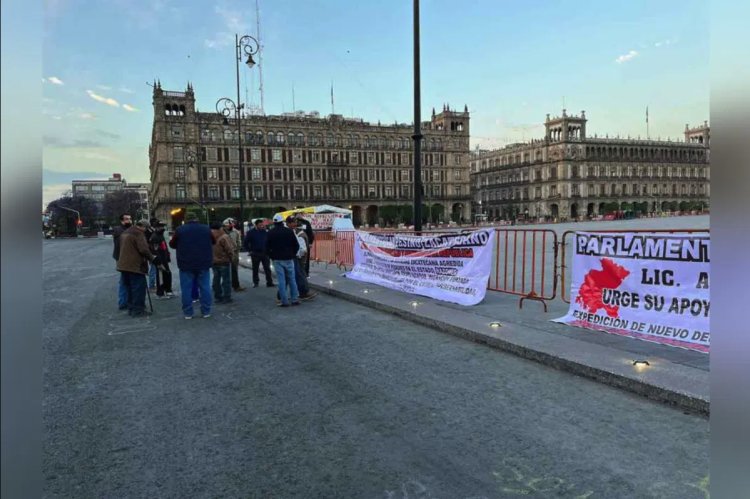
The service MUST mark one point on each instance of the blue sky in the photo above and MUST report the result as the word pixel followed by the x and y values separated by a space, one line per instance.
pixel 510 62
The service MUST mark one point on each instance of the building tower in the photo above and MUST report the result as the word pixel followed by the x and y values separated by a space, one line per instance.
pixel 566 128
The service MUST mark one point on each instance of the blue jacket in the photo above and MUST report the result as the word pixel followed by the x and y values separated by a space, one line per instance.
pixel 255 241
pixel 194 244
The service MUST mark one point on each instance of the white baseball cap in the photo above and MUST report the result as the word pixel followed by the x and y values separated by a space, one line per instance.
pixel 278 218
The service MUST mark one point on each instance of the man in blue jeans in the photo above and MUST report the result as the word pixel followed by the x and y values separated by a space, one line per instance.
pixel 194 244
pixel 126 221
pixel 282 247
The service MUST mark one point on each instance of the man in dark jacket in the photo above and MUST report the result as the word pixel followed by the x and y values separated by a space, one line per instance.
pixel 223 256
pixel 163 274
pixel 282 247
pixel 194 244
pixel 255 245
pixel 132 264
pixel 126 222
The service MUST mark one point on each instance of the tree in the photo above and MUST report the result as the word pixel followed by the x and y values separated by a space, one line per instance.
pixel 118 202
pixel 66 220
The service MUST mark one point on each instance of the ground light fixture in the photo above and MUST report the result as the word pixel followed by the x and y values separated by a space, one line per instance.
pixel 365 291
pixel 330 282
pixel 495 324
pixel 414 304
pixel 641 364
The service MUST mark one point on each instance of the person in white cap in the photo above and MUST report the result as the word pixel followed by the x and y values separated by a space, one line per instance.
pixel 282 247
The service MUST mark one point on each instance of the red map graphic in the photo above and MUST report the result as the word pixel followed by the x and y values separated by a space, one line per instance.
pixel 590 292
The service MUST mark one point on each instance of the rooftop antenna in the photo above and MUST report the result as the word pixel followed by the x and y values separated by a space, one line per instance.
pixel 260 56
pixel 332 110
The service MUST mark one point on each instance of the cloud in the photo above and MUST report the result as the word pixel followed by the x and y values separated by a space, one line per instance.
pixel 87 116
pixel 97 156
pixel 233 22
pixel 55 80
pixel 51 141
pixel 53 192
pixel 128 107
pixel 126 90
pixel 106 100
pixel 103 87
pixel 626 57
pixel 665 42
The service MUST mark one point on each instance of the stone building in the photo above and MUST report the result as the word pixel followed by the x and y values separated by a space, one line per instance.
pixel 569 175
pixel 299 159
pixel 97 190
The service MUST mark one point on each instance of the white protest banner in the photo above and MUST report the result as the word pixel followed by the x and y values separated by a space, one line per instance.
pixel 322 221
pixel 449 267
pixel 650 286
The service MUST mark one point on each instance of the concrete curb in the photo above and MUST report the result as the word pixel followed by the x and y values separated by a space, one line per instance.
pixel 650 389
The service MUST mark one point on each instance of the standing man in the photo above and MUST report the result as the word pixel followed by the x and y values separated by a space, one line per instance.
pixel 299 262
pixel 126 221
pixel 132 264
pixel 194 244
pixel 222 261
pixel 282 247
pixel 230 225
pixel 152 270
pixel 255 245
pixel 163 273
pixel 307 227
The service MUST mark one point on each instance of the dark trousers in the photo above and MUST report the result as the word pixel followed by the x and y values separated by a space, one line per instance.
pixel 307 259
pixel 163 280
pixel 257 259
pixel 235 274
pixel 300 277
pixel 135 284
pixel 222 283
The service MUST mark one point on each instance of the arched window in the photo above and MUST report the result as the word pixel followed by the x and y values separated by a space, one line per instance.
pixel 290 139
pixel 381 142
pixel 182 110
pixel 167 110
pixel 258 137
pixel 271 139
pixel 355 140
pixel 300 139
pixel 329 140
pixel 227 134
pixel 280 138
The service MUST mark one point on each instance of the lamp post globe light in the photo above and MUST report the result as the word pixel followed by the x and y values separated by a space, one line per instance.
pixel 246 46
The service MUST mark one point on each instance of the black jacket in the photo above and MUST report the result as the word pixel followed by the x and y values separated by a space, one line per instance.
pixel 116 233
pixel 282 244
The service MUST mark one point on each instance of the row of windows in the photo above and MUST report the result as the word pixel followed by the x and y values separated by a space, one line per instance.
pixel 259 192
pixel 600 171
pixel 226 154
pixel 599 190
pixel 655 154
pixel 300 139
pixel 305 174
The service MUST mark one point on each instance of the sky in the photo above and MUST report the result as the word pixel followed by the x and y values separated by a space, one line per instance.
pixel 510 62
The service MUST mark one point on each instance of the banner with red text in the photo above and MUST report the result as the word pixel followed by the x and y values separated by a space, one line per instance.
pixel 449 267
pixel 650 286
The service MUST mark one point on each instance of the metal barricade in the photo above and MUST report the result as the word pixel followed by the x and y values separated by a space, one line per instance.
pixel 323 248
pixel 525 264
pixel 566 257
pixel 344 249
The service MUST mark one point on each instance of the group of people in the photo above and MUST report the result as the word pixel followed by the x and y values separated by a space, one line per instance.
pixel 142 252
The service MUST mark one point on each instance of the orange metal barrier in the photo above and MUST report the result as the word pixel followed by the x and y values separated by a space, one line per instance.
pixel 323 248
pixel 566 258
pixel 525 264
pixel 345 249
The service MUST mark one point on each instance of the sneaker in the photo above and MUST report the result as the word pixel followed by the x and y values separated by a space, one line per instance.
pixel 188 317
pixel 206 316
pixel 145 313
pixel 279 304
pixel 169 294
pixel 239 289
pixel 255 285
pixel 295 303
pixel 123 308
pixel 309 296
pixel 196 300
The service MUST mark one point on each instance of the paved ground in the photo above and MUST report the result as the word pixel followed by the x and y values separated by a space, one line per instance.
pixel 329 399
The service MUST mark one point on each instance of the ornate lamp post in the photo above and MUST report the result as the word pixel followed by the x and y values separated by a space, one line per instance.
pixel 417 128
pixel 193 161
pixel 247 46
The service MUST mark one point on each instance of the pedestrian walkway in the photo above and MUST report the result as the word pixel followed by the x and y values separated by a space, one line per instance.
pixel 673 375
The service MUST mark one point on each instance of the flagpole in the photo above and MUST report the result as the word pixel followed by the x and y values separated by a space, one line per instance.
pixel 647 134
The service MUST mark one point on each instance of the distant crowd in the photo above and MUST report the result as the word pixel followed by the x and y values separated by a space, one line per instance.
pixel 208 260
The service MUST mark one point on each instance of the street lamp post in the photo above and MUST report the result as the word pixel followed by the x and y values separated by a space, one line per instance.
pixel 417 128
pixel 193 161
pixel 248 46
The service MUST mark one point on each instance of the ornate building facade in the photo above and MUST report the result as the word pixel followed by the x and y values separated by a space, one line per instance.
pixel 299 159
pixel 569 175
